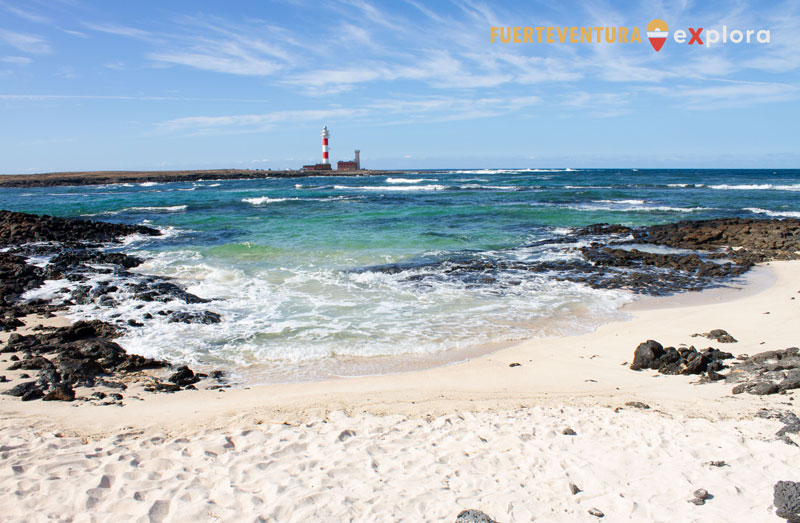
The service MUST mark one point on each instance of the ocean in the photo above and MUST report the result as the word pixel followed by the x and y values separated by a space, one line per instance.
pixel 339 276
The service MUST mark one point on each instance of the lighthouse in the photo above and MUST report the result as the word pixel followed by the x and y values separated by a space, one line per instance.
pixel 325 136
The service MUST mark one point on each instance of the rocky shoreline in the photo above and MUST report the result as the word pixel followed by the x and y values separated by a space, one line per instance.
pixel 83 354
pixel 36 249
pixel 699 255
pixel 116 177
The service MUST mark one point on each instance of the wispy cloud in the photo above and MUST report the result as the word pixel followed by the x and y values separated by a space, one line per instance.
pixel 361 10
pixel 729 94
pixel 203 125
pixel 220 57
pixel 381 112
pixel 25 15
pixel 27 43
pixel 782 53
pixel 120 30
pixel 67 72
pixel 137 98
pixel 79 34
pixel 18 60
pixel 213 44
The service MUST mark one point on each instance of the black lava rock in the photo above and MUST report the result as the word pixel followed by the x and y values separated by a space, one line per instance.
pixel 205 317
pixel 768 372
pixel 184 376
pixel 18 228
pixel 671 361
pixel 473 516
pixel 22 389
pixel 786 498
pixel 62 392
pixel 646 355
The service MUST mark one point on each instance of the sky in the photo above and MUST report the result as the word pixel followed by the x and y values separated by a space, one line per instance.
pixel 413 84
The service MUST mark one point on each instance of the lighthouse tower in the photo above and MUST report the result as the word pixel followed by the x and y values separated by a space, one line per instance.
pixel 325 136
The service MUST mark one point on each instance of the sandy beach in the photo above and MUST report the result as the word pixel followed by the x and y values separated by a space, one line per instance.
pixel 423 446
pixel 371 261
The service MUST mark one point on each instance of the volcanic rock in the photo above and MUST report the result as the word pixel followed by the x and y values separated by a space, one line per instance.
pixel 473 516
pixel 786 498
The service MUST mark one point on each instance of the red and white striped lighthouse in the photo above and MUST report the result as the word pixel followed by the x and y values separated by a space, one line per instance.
pixel 325 136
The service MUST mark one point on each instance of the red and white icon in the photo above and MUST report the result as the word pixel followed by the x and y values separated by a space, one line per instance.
pixel 657 32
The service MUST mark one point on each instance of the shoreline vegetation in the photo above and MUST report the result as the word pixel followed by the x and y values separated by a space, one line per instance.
pixel 117 177
pixel 686 410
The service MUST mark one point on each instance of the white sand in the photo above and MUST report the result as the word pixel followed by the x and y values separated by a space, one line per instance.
pixel 428 444
pixel 514 465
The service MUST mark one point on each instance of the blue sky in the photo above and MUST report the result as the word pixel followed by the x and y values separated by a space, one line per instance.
pixel 89 85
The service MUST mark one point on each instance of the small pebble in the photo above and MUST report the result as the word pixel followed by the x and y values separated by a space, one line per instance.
pixel 345 434
pixel 574 488
pixel 569 432
pixel 514 364
pixel 697 501
pixel 701 493
pixel 596 512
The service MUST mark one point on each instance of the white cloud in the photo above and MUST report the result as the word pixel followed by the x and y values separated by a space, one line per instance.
pixel 201 125
pixel 79 34
pixel 26 15
pixel 781 54
pixel 730 94
pixel 120 30
pixel 88 97
pixel 367 11
pixel 27 43
pixel 19 60
pixel 384 112
pixel 66 72
pixel 221 61
pixel 213 44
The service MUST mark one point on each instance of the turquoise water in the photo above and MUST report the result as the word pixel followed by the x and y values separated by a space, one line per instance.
pixel 298 267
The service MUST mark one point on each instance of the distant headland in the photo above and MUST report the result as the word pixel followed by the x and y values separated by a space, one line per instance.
pixel 113 177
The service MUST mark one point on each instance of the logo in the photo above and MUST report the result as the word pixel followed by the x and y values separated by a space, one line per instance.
pixel 657 33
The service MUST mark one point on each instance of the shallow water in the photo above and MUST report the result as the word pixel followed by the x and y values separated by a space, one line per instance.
pixel 338 275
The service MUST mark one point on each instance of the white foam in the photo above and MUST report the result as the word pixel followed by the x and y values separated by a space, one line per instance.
pixel 774 214
pixel 166 232
pixel 512 171
pixel 409 188
pixel 623 202
pixel 172 208
pixel 168 209
pixel 635 208
pixel 489 187
pixel 262 200
pixel 148 184
pixel 301 314
pixel 409 180
pixel 757 187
